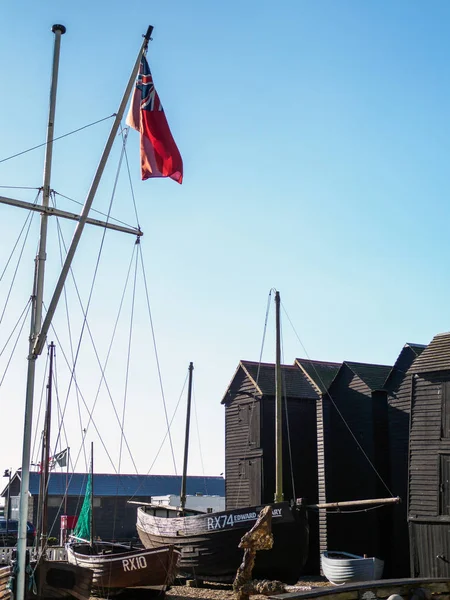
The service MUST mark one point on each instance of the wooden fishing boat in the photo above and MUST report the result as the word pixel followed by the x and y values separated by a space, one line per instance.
pixel 343 567
pixel 209 542
pixel 59 579
pixel 116 567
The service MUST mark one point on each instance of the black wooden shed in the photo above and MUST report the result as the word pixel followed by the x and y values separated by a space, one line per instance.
pixel 429 461
pixel 250 440
pixel 398 387
pixel 353 458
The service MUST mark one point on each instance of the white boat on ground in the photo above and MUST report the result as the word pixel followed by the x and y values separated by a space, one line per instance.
pixel 343 567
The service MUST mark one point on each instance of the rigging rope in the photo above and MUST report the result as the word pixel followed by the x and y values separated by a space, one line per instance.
pixel 199 440
pixel 253 404
pixel 165 435
pixel 157 359
pixel 24 314
pixel 25 310
pixel 93 210
pixel 86 310
pixel 30 220
pixel 125 137
pixel 56 139
pixel 328 395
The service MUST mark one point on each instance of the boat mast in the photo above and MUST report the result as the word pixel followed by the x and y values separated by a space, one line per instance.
pixel 91 514
pixel 38 333
pixel 44 470
pixel 36 317
pixel 186 442
pixel 278 408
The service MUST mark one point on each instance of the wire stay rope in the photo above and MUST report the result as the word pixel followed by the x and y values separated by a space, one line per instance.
pixel 328 395
pixel 205 483
pixel 253 404
pixel 56 139
pixel 157 358
pixel 165 434
pixel 29 217
pixel 86 310
pixel 24 315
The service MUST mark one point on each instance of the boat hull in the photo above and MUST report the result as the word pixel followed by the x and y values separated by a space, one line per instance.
pixel 342 567
pixel 209 543
pixel 116 568
pixel 59 579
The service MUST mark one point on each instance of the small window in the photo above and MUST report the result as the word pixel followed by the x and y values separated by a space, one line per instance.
pixel 55 501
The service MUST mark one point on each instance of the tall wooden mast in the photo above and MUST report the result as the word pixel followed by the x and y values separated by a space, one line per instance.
pixel 186 442
pixel 278 408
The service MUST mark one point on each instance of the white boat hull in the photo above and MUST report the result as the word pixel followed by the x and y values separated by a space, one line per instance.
pixel 343 567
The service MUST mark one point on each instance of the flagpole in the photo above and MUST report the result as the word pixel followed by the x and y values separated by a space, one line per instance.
pixel 90 198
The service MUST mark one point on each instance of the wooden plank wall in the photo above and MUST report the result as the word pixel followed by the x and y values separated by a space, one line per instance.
pixel 243 449
pixel 429 521
pixel 344 469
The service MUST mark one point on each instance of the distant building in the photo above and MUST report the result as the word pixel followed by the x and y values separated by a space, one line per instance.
pixel 199 502
pixel 114 516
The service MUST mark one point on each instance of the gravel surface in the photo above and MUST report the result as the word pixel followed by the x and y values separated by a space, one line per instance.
pixel 212 591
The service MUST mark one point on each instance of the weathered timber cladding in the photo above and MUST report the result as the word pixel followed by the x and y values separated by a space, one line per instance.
pixel 429 449
pixel 354 411
pixel 242 445
pixel 321 374
pixel 398 386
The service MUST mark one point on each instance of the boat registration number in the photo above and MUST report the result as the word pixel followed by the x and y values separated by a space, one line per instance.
pixel 222 521
pixel 135 563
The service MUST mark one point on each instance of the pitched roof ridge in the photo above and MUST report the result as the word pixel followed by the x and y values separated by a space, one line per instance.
pixel 320 362
pixel 352 362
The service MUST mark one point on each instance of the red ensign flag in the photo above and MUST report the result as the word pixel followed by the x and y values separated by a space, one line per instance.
pixel 160 156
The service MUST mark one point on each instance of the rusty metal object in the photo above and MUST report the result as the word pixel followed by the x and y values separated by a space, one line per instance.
pixel 258 538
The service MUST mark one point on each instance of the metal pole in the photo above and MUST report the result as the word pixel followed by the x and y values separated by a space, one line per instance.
pixel 393 500
pixel 88 203
pixel 36 316
pixel 186 441
pixel 7 502
pixel 91 517
pixel 45 471
pixel 278 408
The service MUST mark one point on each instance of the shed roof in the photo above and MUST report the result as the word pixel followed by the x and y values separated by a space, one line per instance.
pixel 435 357
pixel 373 376
pixel 127 485
pixel 319 372
pixel 295 382
pixel 405 359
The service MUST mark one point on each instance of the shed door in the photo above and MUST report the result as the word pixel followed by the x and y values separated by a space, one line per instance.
pixel 444 487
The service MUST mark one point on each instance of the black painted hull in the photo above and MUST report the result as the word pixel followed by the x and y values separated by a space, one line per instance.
pixel 209 543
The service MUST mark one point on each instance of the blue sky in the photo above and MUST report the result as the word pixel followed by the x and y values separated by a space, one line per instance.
pixel 315 139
